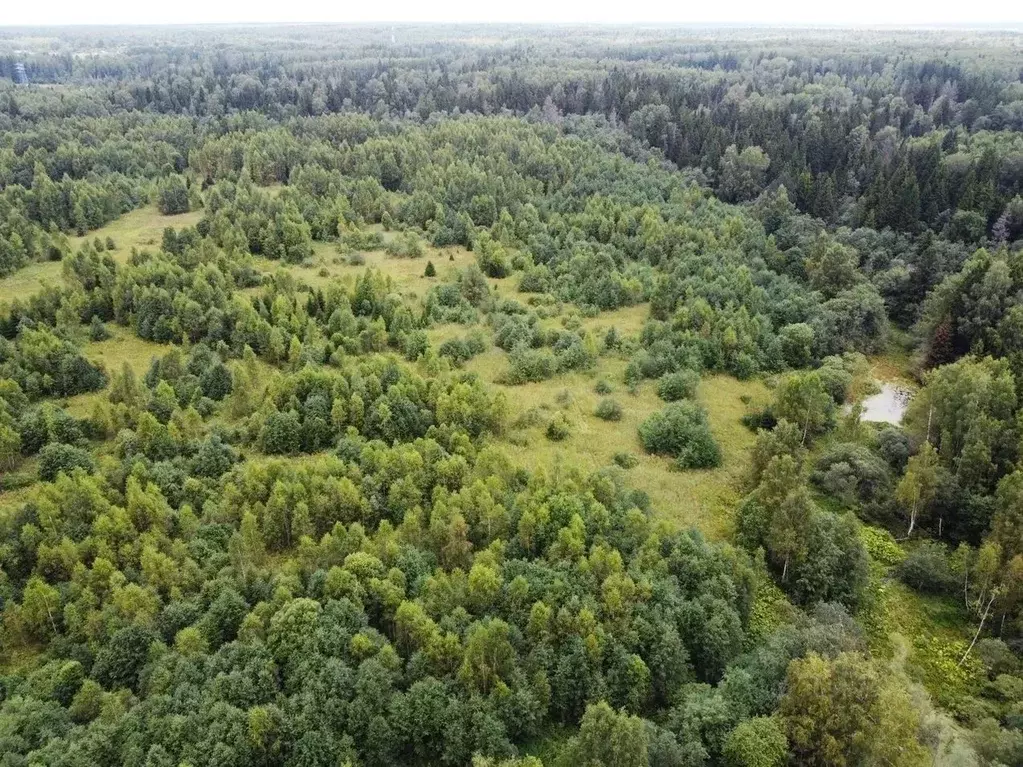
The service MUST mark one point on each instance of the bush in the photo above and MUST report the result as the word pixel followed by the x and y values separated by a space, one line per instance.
pixel 834 374
pixel 796 344
pixel 56 457
pixel 603 387
pixel 558 428
pixel 625 460
pixel 415 344
pixel 431 270
pixel 893 447
pixel 609 410
pixel 881 545
pixel 405 245
pixel 531 365
pixel 536 280
pixel 461 350
pixel 681 431
pixel 97 330
pixel 363 239
pixel 926 568
pixel 678 385
pixel 853 474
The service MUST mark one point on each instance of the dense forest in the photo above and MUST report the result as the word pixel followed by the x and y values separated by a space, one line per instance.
pixel 500 396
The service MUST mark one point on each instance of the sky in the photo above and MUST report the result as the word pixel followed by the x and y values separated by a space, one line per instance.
pixel 777 12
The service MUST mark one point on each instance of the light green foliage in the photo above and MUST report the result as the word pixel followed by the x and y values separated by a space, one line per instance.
pixel 803 400
pixel 842 712
pixel 608 739
pixel 757 742
pixel 678 385
pixel 968 409
pixel 881 546
pixel 558 428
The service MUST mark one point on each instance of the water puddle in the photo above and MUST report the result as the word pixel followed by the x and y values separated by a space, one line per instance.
pixel 888 405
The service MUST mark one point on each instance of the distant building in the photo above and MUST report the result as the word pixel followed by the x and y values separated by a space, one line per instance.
pixel 20 76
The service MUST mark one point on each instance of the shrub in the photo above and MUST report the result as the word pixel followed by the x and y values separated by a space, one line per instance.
pixel 678 385
pixel 881 546
pixel 796 344
pixel 57 457
pixel 461 350
pixel 558 428
pixel 927 568
pixel 609 410
pixel 431 270
pixel 681 431
pixel 532 417
pixel 536 280
pixel 835 375
pixel 415 344
pixel 405 245
pixel 852 473
pixel 97 330
pixel 363 239
pixel 603 387
pixel 625 460
pixel 531 365
pixel 893 447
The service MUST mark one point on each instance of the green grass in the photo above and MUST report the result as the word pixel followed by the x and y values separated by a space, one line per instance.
pixel 327 265
pixel 704 499
pixel 122 347
pixel 701 498
pixel 628 320
pixel 140 228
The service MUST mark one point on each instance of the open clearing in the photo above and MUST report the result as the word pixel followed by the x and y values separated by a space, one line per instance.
pixel 122 347
pixel 700 498
pixel 138 229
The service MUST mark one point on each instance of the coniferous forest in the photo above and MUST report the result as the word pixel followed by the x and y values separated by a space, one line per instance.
pixel 511 397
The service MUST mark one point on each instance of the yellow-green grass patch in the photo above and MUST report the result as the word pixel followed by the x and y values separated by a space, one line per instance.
pixel 628 320
pixel 140 228
pixel 702 498
pixel 328 264
pixel 122 347
pixel 30 279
